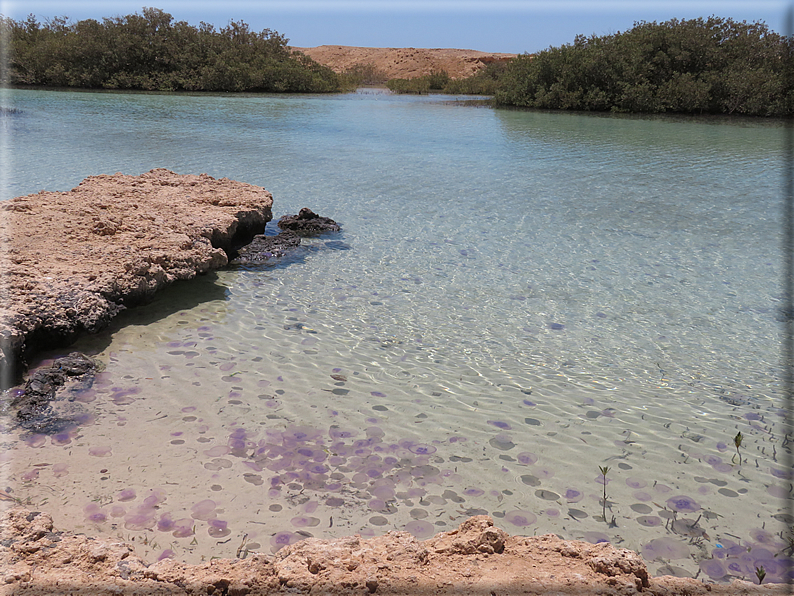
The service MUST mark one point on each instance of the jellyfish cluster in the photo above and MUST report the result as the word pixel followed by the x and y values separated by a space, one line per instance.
pixel 745 558
pixel 344 468
pixel 299 478
pixel 311 476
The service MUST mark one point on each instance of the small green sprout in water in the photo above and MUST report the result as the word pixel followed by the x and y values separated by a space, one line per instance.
pixel 760 573
pixel 604 470
pixel 737 440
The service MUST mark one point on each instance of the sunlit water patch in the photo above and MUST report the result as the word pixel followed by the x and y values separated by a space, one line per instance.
pixel 517 300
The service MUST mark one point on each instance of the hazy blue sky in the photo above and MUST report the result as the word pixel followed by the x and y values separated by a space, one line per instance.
pixel 489 25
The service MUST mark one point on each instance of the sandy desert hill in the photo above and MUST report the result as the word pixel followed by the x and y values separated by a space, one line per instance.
pixel 404 63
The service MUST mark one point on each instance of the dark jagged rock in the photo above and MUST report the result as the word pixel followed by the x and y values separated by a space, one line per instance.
pixel 263 248
pixel 307 222
pixel 65 378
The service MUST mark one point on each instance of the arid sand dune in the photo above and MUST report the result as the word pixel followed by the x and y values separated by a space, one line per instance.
pixel 404 63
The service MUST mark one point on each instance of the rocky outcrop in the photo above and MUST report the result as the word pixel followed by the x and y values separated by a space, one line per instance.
pixel 73 260
pixel 308 223
pixel 263 249
pixel 477 559
pixel 45 405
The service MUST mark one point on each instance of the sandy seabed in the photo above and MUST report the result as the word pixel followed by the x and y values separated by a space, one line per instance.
pixel 73 260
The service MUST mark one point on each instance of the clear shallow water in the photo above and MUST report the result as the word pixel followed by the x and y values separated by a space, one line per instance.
pixel 515 300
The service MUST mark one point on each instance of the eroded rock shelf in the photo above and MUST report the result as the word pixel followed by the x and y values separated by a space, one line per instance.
pixel 73 260
pixel 477 559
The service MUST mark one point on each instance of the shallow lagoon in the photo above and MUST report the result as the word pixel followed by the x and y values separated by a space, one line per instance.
pixel 515 300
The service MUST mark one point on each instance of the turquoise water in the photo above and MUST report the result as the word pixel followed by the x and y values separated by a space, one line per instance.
pixel 516 299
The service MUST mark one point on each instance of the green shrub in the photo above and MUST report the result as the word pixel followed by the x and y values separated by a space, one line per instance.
pixel 483 82
pixel 362 75
pixel 437 79
pixel 695 66
pixel 418 85
pixel 152 52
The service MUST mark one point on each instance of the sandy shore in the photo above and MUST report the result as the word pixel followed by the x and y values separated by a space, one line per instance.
pixel 477 559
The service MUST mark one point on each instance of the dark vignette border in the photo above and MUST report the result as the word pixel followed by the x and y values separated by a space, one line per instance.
pixel 788 272
pixel 787 351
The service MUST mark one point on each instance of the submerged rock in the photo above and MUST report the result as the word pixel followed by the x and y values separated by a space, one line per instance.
pixel 307 222
pixel 263 248
pixel 65 377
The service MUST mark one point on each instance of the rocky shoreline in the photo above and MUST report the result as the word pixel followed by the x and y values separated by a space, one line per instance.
pixel 477 559
pixel 71 261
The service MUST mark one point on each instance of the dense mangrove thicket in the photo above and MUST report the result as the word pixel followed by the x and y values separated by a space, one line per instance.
pixel 716 66
pixel 435 81
pixel 152 52
pixel 483 82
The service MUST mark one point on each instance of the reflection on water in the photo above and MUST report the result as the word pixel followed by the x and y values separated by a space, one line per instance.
pixel 522 299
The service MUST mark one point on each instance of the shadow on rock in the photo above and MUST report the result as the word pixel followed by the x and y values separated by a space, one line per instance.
pixel 180 296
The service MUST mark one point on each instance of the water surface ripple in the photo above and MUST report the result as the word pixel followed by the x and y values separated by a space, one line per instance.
pixel 516 299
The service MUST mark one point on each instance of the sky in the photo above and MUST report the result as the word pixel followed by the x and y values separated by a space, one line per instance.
pixel 511 26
